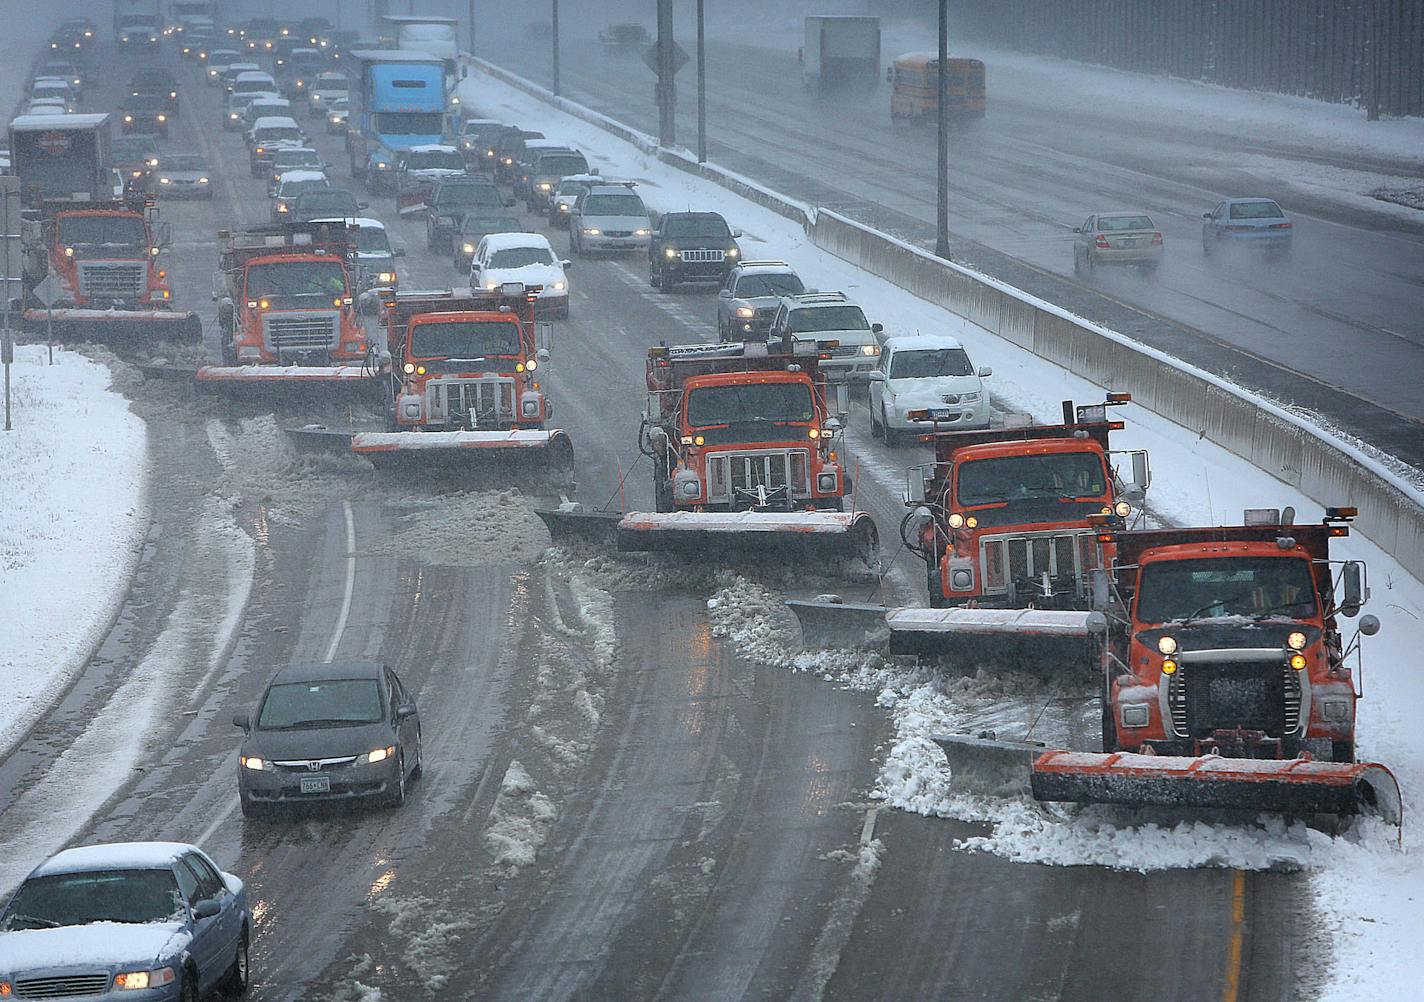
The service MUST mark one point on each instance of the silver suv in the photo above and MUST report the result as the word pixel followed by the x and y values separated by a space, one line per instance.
pixel 749 297
pixel 830 316
pixel 609 217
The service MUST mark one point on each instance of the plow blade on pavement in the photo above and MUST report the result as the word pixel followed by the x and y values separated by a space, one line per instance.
pixel 825 534
pixel 550 453
pixel 271 380
pixel 72 323
pixel 997 636
pixel 1288 786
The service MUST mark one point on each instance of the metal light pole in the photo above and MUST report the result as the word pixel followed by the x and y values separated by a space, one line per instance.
pixel 9 187
pixel 667 89
pixel 701 89
pixel 556 47
pixel 472 27
pixel 942 103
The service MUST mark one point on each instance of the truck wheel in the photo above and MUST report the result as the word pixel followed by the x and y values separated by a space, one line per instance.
pixel 892 437
pixel 877 430
pixel 654 279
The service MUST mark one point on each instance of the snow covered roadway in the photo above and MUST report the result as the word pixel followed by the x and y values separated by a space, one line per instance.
pixel 635 786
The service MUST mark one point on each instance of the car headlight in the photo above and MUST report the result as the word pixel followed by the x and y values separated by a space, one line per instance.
pixel 202 180
pixel 282 207
pixel 386 276
pixel 164 180
pixel 467 248
pixel 252 762
pixel 232 115
pixel 642 233
pixel 591 231
pixel 970 398
pixel 745 312
pixel 733 252
pixel 141 980
pixel 544 187
pixel 377 755
pixel 670 252
pixel 870 349
pixel 163 118
pixel 558 286
pixel 128 118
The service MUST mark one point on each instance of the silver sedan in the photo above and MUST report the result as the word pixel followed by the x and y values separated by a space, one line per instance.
pixel 1108 238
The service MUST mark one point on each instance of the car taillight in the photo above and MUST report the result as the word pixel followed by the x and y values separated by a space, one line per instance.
pixel 1156 240
pixel 1102 241
pixel 1280 226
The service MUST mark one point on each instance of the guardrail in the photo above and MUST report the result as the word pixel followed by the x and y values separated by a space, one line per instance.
pixel 1319 465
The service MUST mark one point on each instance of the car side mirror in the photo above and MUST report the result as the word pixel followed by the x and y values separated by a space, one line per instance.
pixel 1077 229
pixel 736 234
pixel 985 371
pixel 1206 215
pixel 876 376
pixel 206 909
pixel 877 328
pixel 361 205
pixel 242 720
pixel 398 252
pixel 566 264
pixel 405 711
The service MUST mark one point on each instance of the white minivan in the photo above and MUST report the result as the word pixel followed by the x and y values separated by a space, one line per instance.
pixel 526 258
pixel 926 372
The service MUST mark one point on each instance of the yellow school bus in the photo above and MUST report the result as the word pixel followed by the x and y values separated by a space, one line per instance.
pixel 914 80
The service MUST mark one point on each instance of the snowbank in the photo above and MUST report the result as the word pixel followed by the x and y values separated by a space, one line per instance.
pixel 72 486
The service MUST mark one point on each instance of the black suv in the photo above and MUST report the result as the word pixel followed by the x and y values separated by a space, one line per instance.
pixel 452 200
pixel 691 247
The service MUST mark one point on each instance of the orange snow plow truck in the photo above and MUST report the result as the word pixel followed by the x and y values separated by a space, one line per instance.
pixel 90 266
pixel 465 384
pixel 745 450
pixel 287 313
pixel 1226 681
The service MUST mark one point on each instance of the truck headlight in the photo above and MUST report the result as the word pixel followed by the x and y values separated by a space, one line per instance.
pixel 670 252
pixel 1167 645
pixel 530 408
pixel 1136 715
pixel 826 482
pixel 386 276
pixel 1122 509
pixel 870 349
pixel 745 312
pixel 544 187
pixel 1296 641
pixel 412 410
pixel 955 520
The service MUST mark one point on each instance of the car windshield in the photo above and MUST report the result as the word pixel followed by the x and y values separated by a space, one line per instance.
pixel 326 703
pixel 467 194
pixel 746 410
pixel 182 161
pixel 754 286
pixel 291 189
pixel 466 341
pixel 1116 224
pixel 1064 475
pixel 710 227
pixel 1255 210
pixel 105 236
pixel 409 123
pixel 70 899
pixel 520 257
pixel 296 282
pixel 929 362
pixel 371 240
pixel 434 160
pixel 1212 588
pixel 572 187
pixel 828 318
pixel 561 166
pixel 280 134
pixel 614 205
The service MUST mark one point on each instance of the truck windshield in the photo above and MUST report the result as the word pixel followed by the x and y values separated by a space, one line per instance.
pixel 471 341
pixel 745 412
pixel 296 282
pixel 409 123
pixel 928 363
pixel 104 236
pixel 1216 587
pixel 1064 475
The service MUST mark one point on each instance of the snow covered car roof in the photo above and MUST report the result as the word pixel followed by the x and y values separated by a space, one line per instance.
pixel 504 241
pixel 113 856
pixel 911 342
pixel 360 222
pixel 247 76
pixel 275 122
pixel 301 175
pixel 433 148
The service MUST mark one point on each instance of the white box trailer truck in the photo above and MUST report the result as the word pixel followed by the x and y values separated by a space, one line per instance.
pixel 841 51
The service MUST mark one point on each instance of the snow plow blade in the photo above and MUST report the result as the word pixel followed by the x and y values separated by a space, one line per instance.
pixel 265 380
pixel 1289 786
pixel 69 323
pixel 829 622
pixel 995 636
pixel 988 766
pixel 828 534
pixel 412 203
pixel 443 452
pixel 571 522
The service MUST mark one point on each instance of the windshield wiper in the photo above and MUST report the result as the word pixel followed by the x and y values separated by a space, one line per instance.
pixel 321 722
pixel 1223 602
pixel 43 923
pixel 1280 607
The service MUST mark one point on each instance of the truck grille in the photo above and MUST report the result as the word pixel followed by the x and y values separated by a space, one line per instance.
pixel 292 332
pixel 1023 559
pixel 472 401
pixel 112 282
pixel 1206 697
pixel 736 477
pixel 61 987
pixel 703 256
pixel 843 351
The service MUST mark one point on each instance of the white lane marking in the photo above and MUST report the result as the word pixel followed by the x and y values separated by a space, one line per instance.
pixel 867 830
pixel 217 822
pixel 350 583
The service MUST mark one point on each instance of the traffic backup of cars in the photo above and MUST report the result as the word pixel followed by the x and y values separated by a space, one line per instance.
pixel 1224 665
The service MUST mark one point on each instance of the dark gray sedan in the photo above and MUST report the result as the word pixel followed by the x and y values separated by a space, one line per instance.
pixel 323 732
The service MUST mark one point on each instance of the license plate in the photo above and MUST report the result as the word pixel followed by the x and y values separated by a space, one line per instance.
pixel 316 784
pixel 1131 243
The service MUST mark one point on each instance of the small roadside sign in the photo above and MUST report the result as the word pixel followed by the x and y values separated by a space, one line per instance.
pixel 47 292
pixel 679 57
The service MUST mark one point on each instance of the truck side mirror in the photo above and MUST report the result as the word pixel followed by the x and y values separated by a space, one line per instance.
pixel 542 355
pixel 1369 625
pixel 226 314
pixel 914 488
pixel 1352 581
pixel 219 285
pixel 543 335
pixel 842 401
pixel 1141 471
pixel 369 304
pixel 165 234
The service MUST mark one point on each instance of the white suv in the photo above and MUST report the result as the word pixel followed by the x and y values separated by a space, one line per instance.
pixel 830 316
pixel 931 373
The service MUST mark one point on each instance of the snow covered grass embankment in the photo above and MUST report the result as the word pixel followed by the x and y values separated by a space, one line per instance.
pixel 73 476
